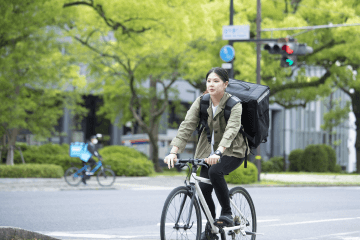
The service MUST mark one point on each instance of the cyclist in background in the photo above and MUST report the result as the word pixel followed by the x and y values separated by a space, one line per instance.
pixel 92 149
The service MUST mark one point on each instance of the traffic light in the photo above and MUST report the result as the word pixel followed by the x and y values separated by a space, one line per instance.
pixel 288 60
pixel 289 48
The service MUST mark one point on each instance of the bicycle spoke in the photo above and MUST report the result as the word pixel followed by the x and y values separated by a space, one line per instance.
pixel 173 212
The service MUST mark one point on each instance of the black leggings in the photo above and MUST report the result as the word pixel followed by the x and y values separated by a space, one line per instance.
pixel 216 175
pixel 91 161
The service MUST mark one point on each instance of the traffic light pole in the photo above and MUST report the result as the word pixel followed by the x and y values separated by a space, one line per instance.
pixel 231 71
pixel 258 72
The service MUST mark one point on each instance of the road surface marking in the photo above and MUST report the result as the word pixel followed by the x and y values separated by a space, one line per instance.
pixel 307 222
pixel 333 235
pixel 97 236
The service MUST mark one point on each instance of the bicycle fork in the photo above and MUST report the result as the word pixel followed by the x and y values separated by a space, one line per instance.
pixel 186 226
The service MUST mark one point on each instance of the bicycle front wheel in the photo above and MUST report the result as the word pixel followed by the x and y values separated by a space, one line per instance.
pixel 177 210
pixel 243 203
pixel 106 177
pixel 71 176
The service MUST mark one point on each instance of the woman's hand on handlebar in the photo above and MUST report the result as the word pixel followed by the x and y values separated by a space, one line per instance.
pixel 213 159
pixel 170 160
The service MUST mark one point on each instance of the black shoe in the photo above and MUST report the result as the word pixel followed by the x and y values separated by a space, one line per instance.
pixel 83 180
pixel 207 234
pixel 225 220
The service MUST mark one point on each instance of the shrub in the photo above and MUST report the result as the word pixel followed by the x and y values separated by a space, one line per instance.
pixel 295 160
pixel 314 159
pixel 31 171
pixel 274 164
pixel 126 161
pixel 243 175
pixel 36 156
pixel 337 168
pixel 331 157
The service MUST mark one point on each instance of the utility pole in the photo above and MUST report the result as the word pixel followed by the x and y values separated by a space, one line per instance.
pixel 231 71
pixel 258 69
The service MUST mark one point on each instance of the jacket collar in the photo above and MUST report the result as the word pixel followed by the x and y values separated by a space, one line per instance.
pixel 221 105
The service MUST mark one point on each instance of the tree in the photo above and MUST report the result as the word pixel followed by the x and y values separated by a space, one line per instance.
pixel 30 81
pixel 291 87
pixel 336 114
pixel 335 49
pixel 149 40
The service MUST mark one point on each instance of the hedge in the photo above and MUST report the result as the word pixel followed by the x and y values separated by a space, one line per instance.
pixel 274 164
pixel 126 161
pixel 47 154
pixel 31 171
pixel 331 157
pixel 314 159
pixel 243 175
pixel 295 160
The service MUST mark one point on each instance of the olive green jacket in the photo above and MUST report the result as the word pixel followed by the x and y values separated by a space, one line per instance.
pixel 226 135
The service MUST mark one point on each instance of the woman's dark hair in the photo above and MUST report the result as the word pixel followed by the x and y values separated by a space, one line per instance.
pixel 222 73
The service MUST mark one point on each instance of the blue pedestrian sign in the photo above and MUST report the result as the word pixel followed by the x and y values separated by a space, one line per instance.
pixel 227 53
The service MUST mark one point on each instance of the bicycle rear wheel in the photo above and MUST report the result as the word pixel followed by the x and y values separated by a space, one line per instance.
pixel 71 177
pixel 180 196
pixel 244 203
pixel 106 177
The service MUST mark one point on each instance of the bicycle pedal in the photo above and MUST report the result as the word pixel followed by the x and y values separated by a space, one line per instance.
pixel 221 223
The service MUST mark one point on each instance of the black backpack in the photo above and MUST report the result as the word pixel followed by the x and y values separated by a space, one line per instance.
pixel 255 112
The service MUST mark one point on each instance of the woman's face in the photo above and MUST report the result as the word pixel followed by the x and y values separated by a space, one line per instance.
pixel 215 85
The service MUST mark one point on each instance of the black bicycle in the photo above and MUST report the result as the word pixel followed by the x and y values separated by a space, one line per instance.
pixel 105 176
pixel 181 215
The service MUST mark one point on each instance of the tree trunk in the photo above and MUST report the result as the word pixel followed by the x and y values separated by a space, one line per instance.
pixel 154 127
pixel 155 148
pixel 11 145
pixel 331 129
pixel 356 109
pixel 355 99
pixel 10 155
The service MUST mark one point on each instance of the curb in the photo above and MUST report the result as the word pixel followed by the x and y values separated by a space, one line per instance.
pixel 13 233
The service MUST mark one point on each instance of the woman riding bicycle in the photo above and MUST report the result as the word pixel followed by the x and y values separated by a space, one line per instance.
pixel 226 142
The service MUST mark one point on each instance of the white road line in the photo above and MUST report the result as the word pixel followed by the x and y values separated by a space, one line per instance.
pixel 204 222
pixel 307 222
pixel 332 235
pixel 97 236
pixel 268 220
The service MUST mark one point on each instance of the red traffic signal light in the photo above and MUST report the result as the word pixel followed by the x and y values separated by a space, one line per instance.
pixel 287 49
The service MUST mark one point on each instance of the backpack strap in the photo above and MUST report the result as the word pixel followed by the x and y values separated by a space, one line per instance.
pixel 231 102
pixel 204 105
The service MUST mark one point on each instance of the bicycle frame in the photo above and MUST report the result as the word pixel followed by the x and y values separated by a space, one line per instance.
pixel 206 207
pixel 195 189
pixel 98 165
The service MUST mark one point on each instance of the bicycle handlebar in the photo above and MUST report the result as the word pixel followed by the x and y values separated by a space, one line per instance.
pixel 196 162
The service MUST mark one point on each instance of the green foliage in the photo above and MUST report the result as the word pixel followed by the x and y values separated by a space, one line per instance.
pixel 314 159
pixel 336 115
pixel 274 164
pixel 31 171
pixel 331 157
pixel 34 73
pixel 295 160
pixel 126 161
pixel 243 175
pixel 47 154
pixel 337 168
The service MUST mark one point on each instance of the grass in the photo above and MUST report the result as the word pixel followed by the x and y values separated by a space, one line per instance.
pixel 280 183
pixel 311 173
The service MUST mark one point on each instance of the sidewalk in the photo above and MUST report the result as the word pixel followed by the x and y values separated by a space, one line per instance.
pixel 312 178
pixel 169 182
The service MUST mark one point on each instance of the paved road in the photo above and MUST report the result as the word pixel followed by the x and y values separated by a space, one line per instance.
pixel 133 211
